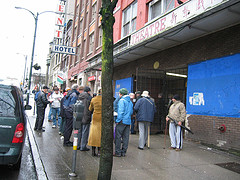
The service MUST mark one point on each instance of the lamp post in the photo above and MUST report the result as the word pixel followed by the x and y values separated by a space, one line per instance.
pixel 47 71
pixel 25 56
pixel 35 16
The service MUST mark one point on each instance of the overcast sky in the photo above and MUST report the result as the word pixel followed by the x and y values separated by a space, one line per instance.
pixel 16 35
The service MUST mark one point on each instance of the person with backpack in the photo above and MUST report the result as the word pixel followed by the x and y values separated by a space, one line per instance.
pixel 42 103
pixel 68 104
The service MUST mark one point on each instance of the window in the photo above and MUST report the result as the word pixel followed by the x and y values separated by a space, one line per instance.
pixel 80 27
pixel 159 7
pixel 129 19
pixel 100 37
pixel 94 11
pixel 8 102
pixel 91 42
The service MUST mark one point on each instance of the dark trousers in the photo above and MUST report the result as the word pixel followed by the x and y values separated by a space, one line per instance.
pixel 121 134
pixel 132 126
pixel 40 118
pixel 68 126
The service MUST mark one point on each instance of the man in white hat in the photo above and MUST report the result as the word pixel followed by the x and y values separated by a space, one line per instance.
pixel 145 109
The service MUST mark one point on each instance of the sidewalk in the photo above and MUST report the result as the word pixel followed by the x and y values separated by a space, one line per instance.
pixel 193 162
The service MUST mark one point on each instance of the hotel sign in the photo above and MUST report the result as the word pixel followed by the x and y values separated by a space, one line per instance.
pixel 64 49
pixel 183 13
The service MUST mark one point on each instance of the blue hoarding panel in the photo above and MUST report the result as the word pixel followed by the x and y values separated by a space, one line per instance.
pixel 214 87
pixel 123 83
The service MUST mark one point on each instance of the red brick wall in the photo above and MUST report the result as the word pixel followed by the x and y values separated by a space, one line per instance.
pixel 206 130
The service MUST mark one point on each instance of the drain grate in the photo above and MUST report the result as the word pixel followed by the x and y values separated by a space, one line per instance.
pixel 232 166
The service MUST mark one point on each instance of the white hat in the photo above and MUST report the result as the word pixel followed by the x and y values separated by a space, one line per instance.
pixel 145 94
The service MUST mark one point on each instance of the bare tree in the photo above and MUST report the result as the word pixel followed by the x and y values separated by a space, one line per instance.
pixel 106 159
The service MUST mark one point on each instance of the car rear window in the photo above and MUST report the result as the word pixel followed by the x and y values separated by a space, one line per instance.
pixel 8 102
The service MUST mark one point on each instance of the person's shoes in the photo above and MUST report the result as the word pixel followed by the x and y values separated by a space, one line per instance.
pixel 35 129
pixel 117 155
pixel 41 130
pixel 54 126
pixel 133 132
pixel 68 144
pixel 85 149
pixel 177 149
pixel 60 133
pixel 123 154
pixel 49 120
pixel 171 148
pixel 140 148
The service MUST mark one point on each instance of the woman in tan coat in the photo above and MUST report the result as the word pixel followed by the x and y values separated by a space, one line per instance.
pixel 96 126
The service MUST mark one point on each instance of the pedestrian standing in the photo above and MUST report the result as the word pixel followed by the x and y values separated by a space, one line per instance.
pixel 94 139
pixel 177 112
pixel 70 100
pixel 62 113
pixel 83 132
pixel 145 109
pixel 133 117
pixel 41 102
pixel 56 97
pixel 123 121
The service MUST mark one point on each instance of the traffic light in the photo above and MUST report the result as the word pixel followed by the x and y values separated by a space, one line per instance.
pixel 36 66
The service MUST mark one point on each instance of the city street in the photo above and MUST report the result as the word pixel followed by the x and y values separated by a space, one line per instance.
pixel 195 161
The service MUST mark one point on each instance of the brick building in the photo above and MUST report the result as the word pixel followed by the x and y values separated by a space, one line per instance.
pixel 192 49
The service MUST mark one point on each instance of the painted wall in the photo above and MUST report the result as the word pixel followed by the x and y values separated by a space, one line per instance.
pixel 214 88
pixel 123 83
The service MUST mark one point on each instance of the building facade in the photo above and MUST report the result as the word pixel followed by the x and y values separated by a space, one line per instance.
pixel 191 49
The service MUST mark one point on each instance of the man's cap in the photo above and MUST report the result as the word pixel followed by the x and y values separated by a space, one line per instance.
pixel 87 89
pixel 177 97
pixel 45 87
pixel 138 92
pixel 145 94
pixel 123 91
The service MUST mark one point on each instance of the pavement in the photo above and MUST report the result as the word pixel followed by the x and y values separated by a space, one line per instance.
pixel 53 161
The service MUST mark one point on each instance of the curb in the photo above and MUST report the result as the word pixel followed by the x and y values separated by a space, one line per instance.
pixel 40 170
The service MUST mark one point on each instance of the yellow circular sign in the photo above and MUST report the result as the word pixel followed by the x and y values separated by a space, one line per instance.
pixel 156 65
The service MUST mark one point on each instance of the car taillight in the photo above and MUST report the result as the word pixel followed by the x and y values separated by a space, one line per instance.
pixel 18 134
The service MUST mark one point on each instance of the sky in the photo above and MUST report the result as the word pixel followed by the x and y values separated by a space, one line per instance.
pixel 16 35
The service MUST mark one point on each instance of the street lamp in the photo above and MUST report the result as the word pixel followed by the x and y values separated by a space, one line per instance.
pixel 34 39
pixel 24 69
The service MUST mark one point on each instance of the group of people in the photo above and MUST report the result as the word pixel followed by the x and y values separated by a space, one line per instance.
pixel 127 109
pixel 62 107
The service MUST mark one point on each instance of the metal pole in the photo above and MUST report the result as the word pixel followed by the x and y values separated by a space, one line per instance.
pixel 24 70
pixel 74 158
pixel 30 73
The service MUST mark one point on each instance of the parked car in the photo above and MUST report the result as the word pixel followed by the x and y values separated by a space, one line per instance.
pixel 12 125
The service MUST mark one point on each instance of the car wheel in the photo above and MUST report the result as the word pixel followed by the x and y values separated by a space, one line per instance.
pixel 18 164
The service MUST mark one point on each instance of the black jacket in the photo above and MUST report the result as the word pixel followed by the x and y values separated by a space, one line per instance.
pixel 86 98
pixel 42 100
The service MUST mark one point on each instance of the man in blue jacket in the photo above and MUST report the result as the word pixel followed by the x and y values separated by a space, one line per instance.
pixel 123 121
pixel 145 109
pixel 68 103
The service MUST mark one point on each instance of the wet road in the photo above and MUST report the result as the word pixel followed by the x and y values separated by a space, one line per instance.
pixel 27 170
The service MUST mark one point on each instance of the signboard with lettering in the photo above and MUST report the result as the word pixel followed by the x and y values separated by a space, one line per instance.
pixel 64 49
pixel 181 14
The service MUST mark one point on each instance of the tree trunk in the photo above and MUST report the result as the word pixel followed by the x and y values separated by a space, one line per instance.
pixel 106 159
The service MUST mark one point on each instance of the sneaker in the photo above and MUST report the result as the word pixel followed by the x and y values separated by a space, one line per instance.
pixel 177 149
pixel 41 130
pixel 85 149
pixel 68 144
pixel 140 148
pixel 171 148
pixel 54 126
pixel 117 155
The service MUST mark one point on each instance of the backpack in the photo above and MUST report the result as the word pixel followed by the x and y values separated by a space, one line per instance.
pixel 36 96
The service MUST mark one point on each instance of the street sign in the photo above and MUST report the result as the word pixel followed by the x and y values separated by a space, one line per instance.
pixel 64 49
